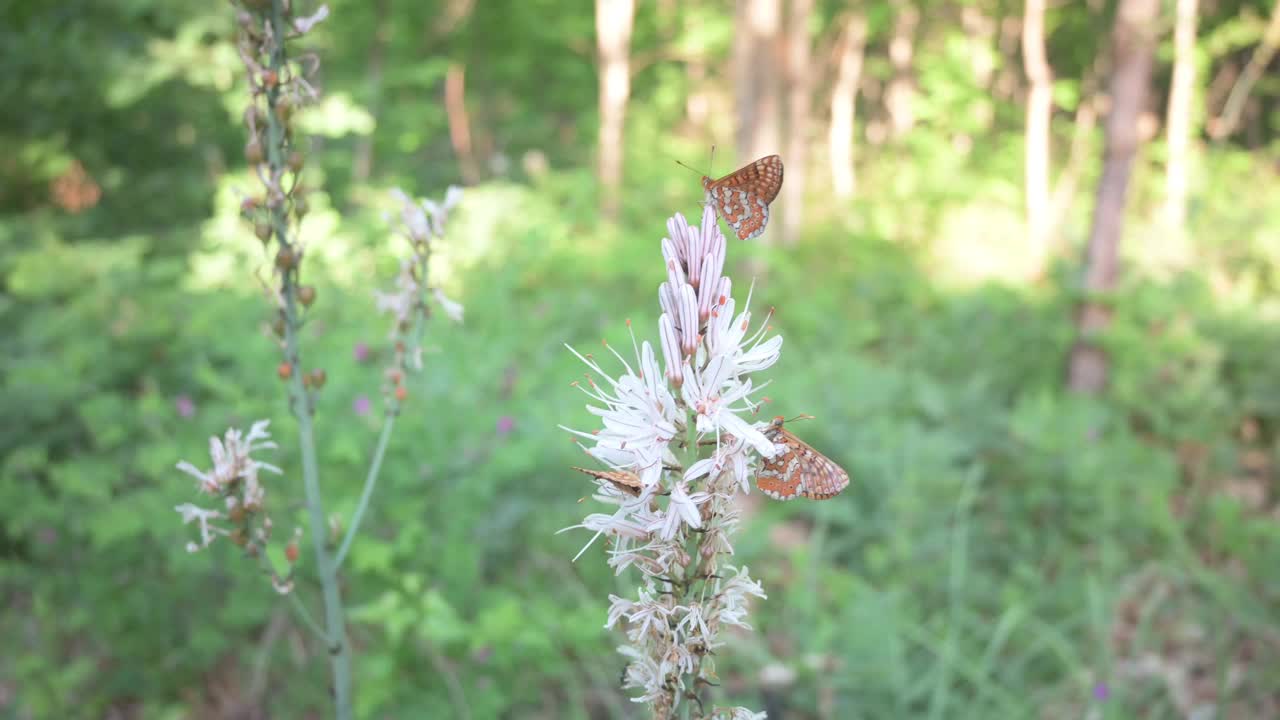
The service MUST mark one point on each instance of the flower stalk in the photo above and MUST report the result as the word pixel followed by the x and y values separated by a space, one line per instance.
pixel 683 430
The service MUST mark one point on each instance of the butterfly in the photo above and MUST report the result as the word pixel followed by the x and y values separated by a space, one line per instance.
pixel 627 482
pixel 742 197
pixel 799 471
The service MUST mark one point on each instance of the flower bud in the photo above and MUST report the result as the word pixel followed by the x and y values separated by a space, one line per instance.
pixel 286 259
pixel 307 295
pixel 253 151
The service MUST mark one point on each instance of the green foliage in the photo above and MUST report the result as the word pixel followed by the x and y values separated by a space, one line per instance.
pixel 998 530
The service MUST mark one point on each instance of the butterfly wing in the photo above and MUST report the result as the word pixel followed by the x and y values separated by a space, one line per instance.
pixel 799 471
pixel 627 482
pixel 742 197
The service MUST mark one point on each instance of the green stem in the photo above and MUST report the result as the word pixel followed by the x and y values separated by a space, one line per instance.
pixel 375 466
pixel 388 423
pixel 338 648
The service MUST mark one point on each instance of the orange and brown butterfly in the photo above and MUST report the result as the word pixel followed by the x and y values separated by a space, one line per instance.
pixel 626 481
pixel 742 197
pixel 799 470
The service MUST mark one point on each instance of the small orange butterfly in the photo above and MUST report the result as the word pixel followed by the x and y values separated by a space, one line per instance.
pixel 800 471
pixel 627 482
pixel 742 197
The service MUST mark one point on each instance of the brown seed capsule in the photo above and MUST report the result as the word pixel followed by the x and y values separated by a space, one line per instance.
pixel 278 327
pixel 306 380
pixel 307 295
pixel 318 377
pixel 286 259
pixel 236 514
pixel 285 371
pixel 262 229
pixel 253 151
pixel 300 206
pixel 239 537
pixel 269 78
pixel 296 160
pixel 284 108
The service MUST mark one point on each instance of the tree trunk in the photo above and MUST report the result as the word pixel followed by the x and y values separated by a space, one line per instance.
pixel 756 64
pixel 362 161
pixel 799 56
pixel 844 98
pixel 1133 45
pixel 614 19
pixel 1179 123
pixel 899 98
pixel 1039 113
pixel 455 107
pixel 1230 118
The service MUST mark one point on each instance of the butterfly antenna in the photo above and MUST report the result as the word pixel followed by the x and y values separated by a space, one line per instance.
pixel 802 417
pixel 687 167
pixel 711 161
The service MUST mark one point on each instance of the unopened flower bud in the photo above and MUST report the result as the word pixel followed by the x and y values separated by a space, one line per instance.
pixel 286 259
pixel 253 151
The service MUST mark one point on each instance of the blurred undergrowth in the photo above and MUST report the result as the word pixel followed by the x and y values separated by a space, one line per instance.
pixel 1005 549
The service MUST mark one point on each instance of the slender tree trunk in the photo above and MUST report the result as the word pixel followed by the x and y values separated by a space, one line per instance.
pixel 899 98
pixel 1179 122
pixel 1133 45
pixel 455 108
pixel 844 97
pixel 799 57
pixel 757 63
pixel 1039 113
pixel 614 19
pixel 1230 118
pixel 1064 190
pixel 362 161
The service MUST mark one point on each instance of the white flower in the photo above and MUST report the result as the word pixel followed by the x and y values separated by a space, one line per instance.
pixel 401 302
pixel 639 416
pixel 712 392
pixel 304 24
pixel 681 510
pixel 741 713
pixel 733 597
pixel 727 336
pixel 203 517
pixel 451 308
pixel 232 459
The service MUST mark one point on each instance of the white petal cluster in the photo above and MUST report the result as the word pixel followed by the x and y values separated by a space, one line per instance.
pixel 679 523
pixel 422 222
pixel 233 477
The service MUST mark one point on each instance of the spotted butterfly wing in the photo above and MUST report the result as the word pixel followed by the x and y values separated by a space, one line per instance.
pixel 742 197
pixel 627 482
pixel 799 471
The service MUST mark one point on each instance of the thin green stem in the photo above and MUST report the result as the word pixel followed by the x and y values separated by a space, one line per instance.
pixel 305 614
pixel 334 616
pixel 384 438
pixel 371 480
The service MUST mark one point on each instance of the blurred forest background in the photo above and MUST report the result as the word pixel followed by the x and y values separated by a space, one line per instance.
pixel 1037 528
